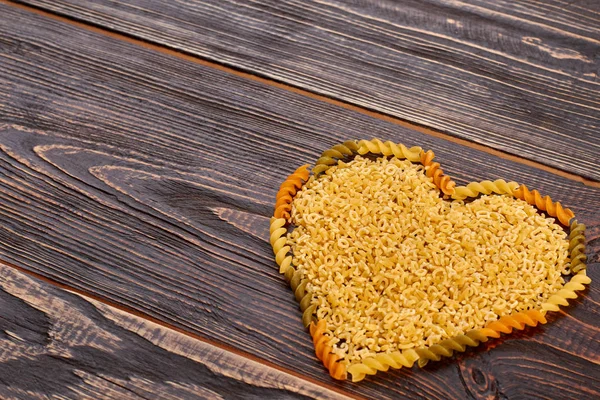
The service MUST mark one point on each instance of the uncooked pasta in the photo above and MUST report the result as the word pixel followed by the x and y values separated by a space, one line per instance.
pixel 392 266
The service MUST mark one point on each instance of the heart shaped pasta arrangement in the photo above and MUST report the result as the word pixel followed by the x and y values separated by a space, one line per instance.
pixel 389 273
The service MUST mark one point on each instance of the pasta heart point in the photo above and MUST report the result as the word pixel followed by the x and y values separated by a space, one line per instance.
pixel 394 264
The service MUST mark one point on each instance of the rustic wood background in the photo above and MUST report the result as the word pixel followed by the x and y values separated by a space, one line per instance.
pixel 517 75
pixel 55 343
pixel 136 182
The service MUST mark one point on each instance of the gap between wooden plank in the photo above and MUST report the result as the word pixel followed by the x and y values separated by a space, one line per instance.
pixel 117 355
pixel 188 57
pixel 141 315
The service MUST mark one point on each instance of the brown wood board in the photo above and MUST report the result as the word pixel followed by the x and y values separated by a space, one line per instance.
pixel 54 343
pixel 148 181
pixel 518 76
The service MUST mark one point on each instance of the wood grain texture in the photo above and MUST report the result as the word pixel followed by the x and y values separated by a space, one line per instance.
pixel 57 344
pixel 521 76
pixel 148 181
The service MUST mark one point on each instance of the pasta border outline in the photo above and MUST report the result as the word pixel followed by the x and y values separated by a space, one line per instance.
pixel 447 347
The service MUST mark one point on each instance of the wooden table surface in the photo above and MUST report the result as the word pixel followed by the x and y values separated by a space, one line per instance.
pixel 142 144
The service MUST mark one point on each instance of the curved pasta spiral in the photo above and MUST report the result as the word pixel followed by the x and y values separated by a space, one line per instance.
pixel 388 148
pixel 558 299
pixel 289 187
pixel 534 197
pixel 578 267
pixel 337 369
pixel 474 189
pixel 277 239
pixel 434 171
pixel 283 258
pixel 518 321
pixel 474 337
pixel 577 246
pixel 459 343
pixel 382 362
pixel 331 156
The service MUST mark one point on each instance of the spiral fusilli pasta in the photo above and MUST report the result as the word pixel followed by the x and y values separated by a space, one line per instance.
pixel 283 202
pixel 331 156
pixel 576 283
pixel 337 370
pixel 388 148
pixel 554 209
pixel 474 189
pixel 283 258
pixel 458 343
pixel 577 246
pixel 517 321
pixel 277 239
pixel 382 362
pixel 433 170
pixel 472 338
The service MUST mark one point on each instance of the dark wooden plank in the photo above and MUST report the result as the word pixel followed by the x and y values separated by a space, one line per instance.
pixel 58 344
pixel 148 181
pixel 519 76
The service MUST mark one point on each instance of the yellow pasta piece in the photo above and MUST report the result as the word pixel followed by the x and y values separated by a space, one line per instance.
pixel 434 171
pixel 382 362
pixel 332 156
pixel 400 151
pixel 534 197
pixel 474 189
pixel 284 260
